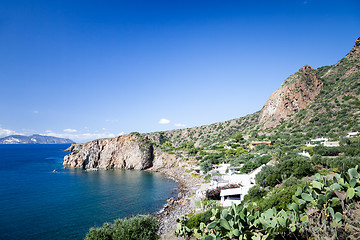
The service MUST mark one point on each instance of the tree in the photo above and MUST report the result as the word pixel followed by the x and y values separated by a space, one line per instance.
pixel 206 166
pixel 238 137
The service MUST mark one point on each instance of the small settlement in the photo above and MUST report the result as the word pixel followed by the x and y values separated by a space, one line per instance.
pixel 224 174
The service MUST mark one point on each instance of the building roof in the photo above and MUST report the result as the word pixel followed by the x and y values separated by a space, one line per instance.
pixel 258 142
pixel 229 192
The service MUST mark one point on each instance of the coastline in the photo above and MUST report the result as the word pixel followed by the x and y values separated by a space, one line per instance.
pixel 171 165
pixel 182 204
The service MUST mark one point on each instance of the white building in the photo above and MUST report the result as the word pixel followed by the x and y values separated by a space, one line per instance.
pixel 316 141
pixel 331 144
pixel 229 196
pixel 353 134
pixel 221 168
pixel 305 154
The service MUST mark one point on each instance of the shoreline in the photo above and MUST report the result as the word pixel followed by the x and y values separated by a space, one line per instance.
pixel 182 204
pixel 171 166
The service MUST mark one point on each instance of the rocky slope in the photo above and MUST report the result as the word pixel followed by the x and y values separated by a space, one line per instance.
pixel 208 134
pixel 308 97
pixel 128 152
pixel 335 110
pixel 295 93
pixel 320 100
pixel 34 139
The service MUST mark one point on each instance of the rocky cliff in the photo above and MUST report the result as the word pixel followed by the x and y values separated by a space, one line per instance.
pixel 129 152
pixel 295 93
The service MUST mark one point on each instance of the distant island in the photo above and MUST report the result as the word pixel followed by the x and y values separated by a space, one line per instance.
pixel 34 139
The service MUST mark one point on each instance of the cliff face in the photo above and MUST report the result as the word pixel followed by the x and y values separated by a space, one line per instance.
pixel 295 93
pixel 128 152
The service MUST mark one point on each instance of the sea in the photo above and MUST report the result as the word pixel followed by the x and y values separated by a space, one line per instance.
pixel 37 203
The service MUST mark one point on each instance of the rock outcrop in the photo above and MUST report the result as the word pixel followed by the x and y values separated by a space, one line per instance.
pixel 129 152
pixel 357 42
pixel 76 147
pixel 295 93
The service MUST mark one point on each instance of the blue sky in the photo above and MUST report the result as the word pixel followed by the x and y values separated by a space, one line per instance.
pixel 93 69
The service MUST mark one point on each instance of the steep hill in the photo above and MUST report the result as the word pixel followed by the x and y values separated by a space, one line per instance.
pixel 207 134
pixel 321 101
pixel 311 102
pixel 295 93
pixel 335 109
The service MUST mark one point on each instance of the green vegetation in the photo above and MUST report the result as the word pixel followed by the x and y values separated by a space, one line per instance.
pixel 139 227
pixel 291 200
pixel 323 209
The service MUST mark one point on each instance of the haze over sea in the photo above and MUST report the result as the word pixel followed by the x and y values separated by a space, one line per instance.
pixel 36 203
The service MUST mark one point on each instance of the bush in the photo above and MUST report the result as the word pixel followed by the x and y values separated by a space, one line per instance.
pixel 291 181
pixel 273 179
pixel 249 166
pixel 205 166
pixel 344 163
pixel 195 220
pixel 262 175
pixel 327 151
pixel 139 227
pixel 279 199
pixel 297 166
pixel 255 193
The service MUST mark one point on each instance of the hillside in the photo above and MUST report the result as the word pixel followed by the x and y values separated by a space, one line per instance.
pixel 291 195
pixel 310 103
pixel 323 101
pixel 335 110
pixel 206 135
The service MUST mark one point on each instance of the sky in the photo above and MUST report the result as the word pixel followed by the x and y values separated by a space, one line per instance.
pixel 94 69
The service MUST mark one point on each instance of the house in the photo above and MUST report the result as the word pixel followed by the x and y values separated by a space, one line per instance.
pixel 221 168
pixel 316 141
pixel 253 144
pixel 218 181
pixel 331 144
pixel 322 141
pixel 305 154
pixel 353 134
pixel 229 196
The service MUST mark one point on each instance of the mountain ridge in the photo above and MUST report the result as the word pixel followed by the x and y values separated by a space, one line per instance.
pixel 34 139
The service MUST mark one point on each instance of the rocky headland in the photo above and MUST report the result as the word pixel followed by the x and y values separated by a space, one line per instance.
pixel 126 152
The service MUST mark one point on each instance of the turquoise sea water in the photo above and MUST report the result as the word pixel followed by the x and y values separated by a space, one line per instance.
pixel 36 203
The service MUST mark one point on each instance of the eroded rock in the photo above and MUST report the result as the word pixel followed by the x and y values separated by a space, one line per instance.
pixel 128 152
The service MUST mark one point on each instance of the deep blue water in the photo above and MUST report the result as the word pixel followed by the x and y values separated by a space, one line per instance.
pixel 36 203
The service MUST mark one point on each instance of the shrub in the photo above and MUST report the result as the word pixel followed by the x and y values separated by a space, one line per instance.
pixel 279 199
pixel 261 176
pixel 206 166
pixel 344 163
pixel 139 227
pixel 291 181
pixel 273 179
pixel 195 220
pixel 249 166
pixel 255 193
pixel 297 166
